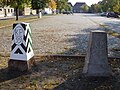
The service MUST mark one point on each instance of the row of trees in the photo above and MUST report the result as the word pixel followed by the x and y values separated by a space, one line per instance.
pixel 35 4
pixel 106 6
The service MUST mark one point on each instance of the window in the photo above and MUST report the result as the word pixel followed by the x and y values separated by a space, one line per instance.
pixel 0 9
pixel 11 10
pixel 8 10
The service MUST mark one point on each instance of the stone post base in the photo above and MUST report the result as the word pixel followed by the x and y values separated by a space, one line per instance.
pixel 19 65
pixel 96 62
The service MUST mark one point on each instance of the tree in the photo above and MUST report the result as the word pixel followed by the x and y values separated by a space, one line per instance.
pixel 116 6
pixel 61 5
pixel 85 8
pixel 68 8
pixel 18 4
pixel 95 8
pixel 106 6
pixel 52 5
pixel 39 5
pixel 3 3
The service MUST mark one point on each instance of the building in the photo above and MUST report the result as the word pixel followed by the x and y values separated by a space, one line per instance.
pixel 77 7
pixel 6 11
pixel 27 11
pixel 47 11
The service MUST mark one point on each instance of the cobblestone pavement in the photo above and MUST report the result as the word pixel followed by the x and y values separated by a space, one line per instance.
pixel 61 34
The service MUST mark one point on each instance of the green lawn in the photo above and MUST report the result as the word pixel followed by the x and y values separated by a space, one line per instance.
pixel 8 22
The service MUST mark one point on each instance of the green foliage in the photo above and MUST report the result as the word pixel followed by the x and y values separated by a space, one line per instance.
pixel 95 8
pixel 62 5
pixel 39 4
pixel 85 8
pixel 18 3
pixel 3 3
pixel 116 8
pixel 106 6
pixel 68 8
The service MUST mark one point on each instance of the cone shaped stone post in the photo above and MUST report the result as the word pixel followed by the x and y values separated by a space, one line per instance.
pixel 22 55
pixel 96 61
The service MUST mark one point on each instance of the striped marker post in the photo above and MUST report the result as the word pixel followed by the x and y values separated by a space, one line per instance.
pixel 22 55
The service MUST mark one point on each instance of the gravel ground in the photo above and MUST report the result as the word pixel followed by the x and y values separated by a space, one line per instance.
pixel 61 34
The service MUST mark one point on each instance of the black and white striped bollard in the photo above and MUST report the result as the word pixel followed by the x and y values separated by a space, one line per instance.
pixel 22 55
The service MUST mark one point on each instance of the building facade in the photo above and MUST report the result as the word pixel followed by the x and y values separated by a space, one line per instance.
pixel 6 11
pixel 77 7
pixel 27 11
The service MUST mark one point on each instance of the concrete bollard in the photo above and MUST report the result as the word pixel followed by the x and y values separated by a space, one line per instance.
pixel 22 55
pixel 96 61
pixel 40 14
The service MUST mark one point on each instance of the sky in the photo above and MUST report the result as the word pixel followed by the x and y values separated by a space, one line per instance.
pixel 88 2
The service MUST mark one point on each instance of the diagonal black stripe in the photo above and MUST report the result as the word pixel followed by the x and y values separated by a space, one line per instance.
pixel 25 37
pixel 28 43
pixel 13 46
pixel 18 51
pixel 14 25
pixel 24 26
pixel 12 37
pixel 29 50
pixel 25 48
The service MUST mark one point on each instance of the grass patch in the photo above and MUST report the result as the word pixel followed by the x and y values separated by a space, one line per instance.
pixel 7 22
pixel 11 21
pixel 113 33
pixel 103 25
pixel 110 32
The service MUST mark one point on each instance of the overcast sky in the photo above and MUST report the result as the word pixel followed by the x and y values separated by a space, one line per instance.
pixel 88 2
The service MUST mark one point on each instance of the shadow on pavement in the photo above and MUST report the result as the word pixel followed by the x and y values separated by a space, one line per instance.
pixel 6 75
pixel 80 42
pixel 62 73
pixel 79 82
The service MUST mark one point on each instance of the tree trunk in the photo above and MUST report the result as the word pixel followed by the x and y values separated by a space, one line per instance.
pixel 17 13
pixel 57 9
pixel 53 11
pixel 38 12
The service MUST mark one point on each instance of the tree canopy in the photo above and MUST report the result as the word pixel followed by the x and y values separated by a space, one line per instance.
pixel 36 4
pixel 18 4
pixel 106 6
pixel 3 3
pixel 52 4
pixel 85 8
pixel 62 5
pixel 39 4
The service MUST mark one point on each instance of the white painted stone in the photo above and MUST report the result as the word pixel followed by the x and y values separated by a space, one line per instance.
pixel 96 61
pixel 40 14
pixel 22 42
